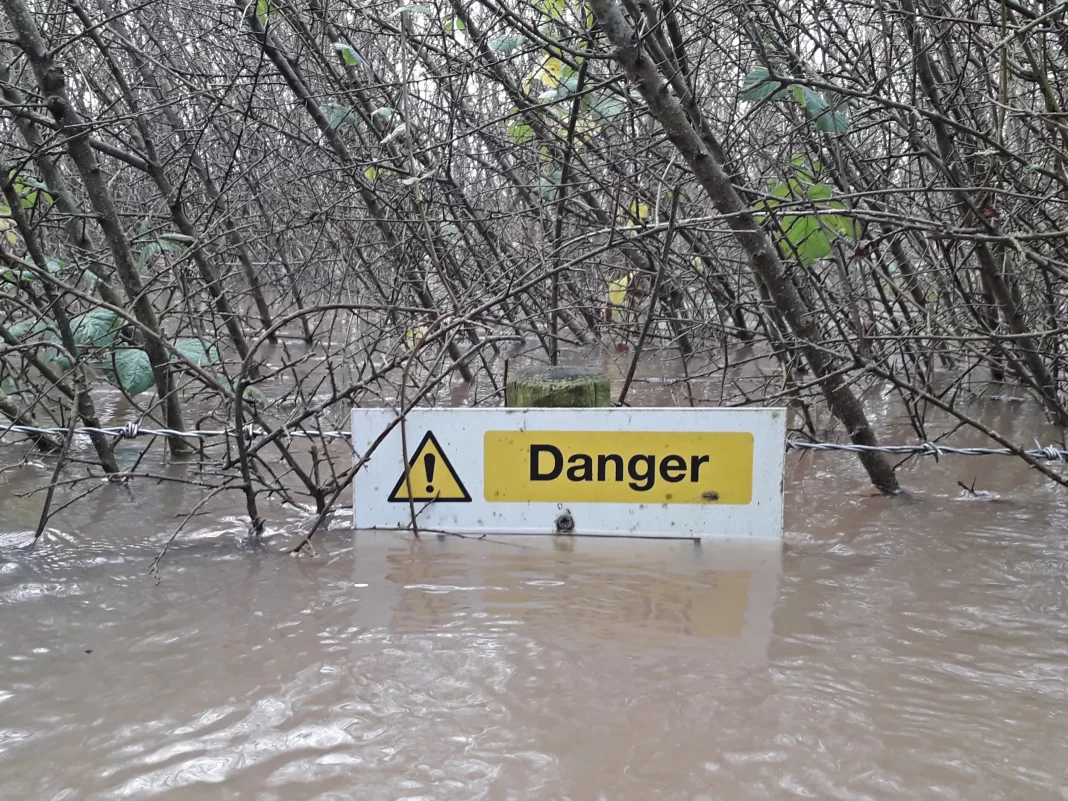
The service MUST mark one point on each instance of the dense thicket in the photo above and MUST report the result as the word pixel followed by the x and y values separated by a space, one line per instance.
pixel 855 192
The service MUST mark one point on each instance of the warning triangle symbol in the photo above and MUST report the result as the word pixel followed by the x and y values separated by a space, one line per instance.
pixel 433 478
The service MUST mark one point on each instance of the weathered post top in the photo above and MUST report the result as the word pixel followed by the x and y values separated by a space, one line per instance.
pixel 561 387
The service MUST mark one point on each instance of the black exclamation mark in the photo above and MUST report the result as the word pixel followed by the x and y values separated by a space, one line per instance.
pixel 428 462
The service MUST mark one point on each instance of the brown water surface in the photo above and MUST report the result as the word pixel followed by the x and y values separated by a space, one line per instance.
pixel 892 649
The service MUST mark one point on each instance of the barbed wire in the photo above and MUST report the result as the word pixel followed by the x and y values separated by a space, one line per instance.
pixel 133 430
pixel 1050 452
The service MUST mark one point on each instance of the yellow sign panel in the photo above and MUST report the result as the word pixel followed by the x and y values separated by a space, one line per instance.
pixel 431 475
pixel 649 467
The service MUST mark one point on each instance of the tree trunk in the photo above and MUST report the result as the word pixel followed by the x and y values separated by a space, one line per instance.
pixel 208 274
pixel 84 401
pixel 706 160
pixel 52 84
pixel 74 219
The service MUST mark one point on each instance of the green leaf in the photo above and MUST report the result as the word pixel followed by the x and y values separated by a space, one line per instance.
pixel 806 170
pixel 835 122
pixel 519 132
pixel 410 10
pixel 252 394
pixel 56 359
pixel 197 352
pixel 28 189
pixel 757 86
pixel 27 196
pixel 449 229
pixel 348 55
pixel 808 237
pixel 40 328
pixel 181 239
pixel 617 289
pixel 133 370
pixel 453 24
pixel 826 120
pixel 566 87
pixel 14 277
pixel 147 253
pixel 265 9
pixel 175 243
pixel 337 115
pixel 255 397
pixel 506 43
pixel 554 8
pixel 813 103
pixel 604 105
pixel 40 186
pixel 44 330
pixel 96 328
pixel 396 133
pixel 382 112
pixel 550 186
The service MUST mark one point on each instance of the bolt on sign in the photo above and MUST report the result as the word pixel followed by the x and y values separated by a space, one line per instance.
pixel 675 473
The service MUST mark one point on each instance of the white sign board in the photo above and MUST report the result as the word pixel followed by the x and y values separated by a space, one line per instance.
pixel 677 473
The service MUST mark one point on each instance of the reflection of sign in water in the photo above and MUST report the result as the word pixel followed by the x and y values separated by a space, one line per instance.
pixel 619 467
pixel 625 602
pixel 668 473
pixel 431 477
pixel 637 591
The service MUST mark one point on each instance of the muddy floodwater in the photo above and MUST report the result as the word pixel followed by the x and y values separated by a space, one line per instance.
pixel 891 649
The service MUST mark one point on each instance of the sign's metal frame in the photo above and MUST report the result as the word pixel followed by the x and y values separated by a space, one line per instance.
pixel 459 436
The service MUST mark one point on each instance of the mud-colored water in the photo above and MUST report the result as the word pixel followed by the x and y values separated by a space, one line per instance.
pixel 892 649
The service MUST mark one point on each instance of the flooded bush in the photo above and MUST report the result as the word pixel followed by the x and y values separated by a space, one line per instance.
pixel 242 220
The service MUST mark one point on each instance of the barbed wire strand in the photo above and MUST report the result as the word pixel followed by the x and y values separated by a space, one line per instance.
pixel 133 430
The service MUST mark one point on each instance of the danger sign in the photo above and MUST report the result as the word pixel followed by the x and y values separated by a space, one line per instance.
pixel 637 472
pixel 619 467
